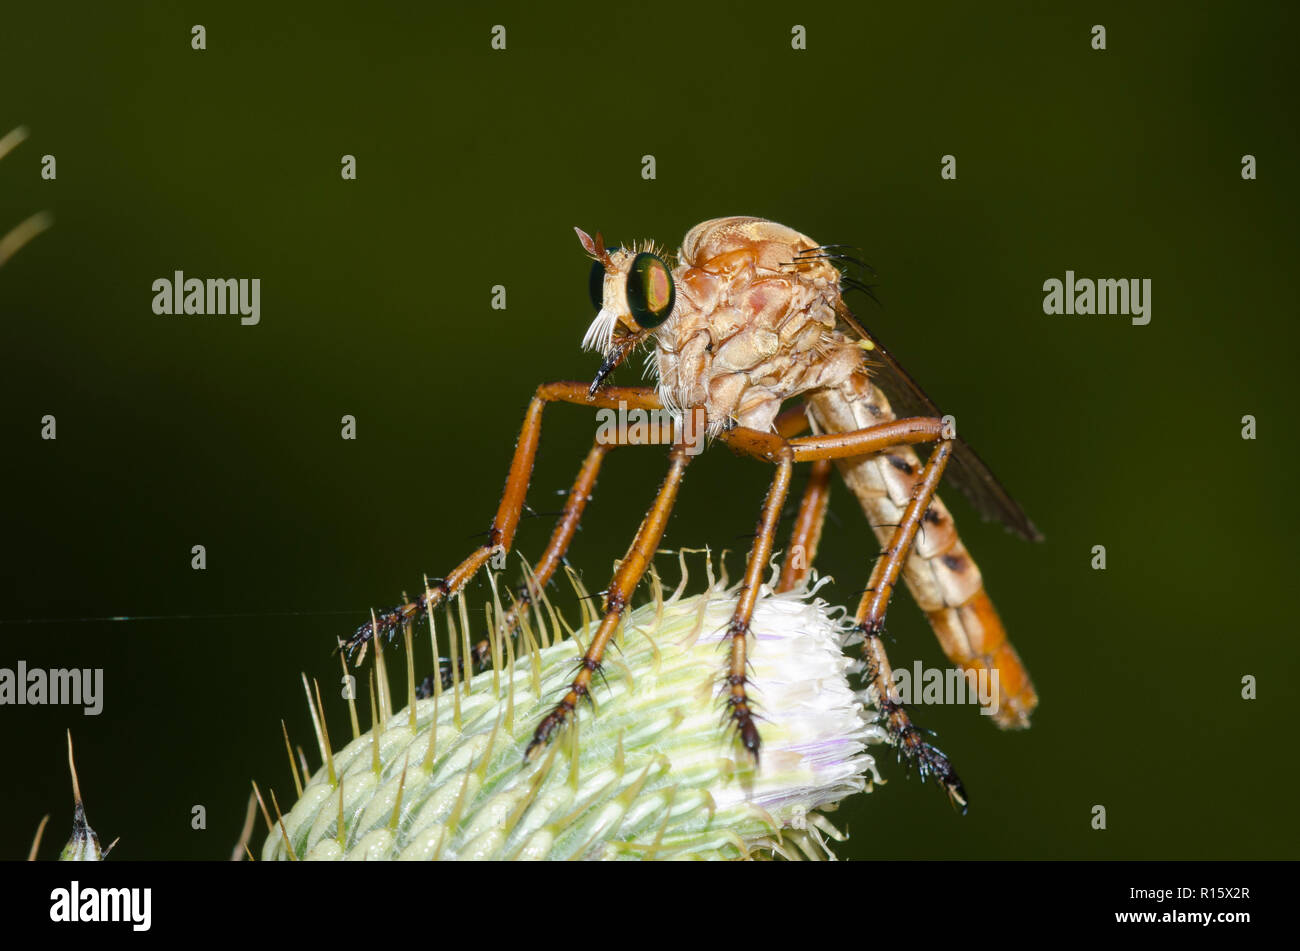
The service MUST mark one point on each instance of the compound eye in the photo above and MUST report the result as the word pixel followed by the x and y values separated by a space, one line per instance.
pixel 650 291
pixel 596 283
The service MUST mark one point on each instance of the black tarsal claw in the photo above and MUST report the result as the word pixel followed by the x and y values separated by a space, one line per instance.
pixel 929 760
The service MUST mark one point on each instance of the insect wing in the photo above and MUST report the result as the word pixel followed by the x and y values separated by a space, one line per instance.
pixel 966 470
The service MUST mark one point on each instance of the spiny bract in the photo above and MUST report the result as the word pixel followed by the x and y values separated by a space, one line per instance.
pixel 651 772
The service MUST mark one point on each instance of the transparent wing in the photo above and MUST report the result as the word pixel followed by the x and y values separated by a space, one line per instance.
pixel 966 470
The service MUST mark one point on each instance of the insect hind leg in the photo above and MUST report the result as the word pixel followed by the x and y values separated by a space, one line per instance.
pixel 870 623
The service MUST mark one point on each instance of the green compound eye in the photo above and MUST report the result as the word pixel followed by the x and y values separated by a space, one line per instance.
pixel 650 291
pixel 596 283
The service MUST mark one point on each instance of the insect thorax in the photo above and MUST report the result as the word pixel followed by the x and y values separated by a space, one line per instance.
pixel 754 323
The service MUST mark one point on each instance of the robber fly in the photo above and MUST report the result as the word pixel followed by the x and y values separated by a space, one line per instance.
pixel 749 337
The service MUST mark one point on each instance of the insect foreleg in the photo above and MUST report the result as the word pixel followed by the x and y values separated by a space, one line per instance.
pixel 626 577
pixel 552 557
pixel 502 532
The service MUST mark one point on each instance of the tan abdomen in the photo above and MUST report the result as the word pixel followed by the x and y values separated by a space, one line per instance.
pixel 940 573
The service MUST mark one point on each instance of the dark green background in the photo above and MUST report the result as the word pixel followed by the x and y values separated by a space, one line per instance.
pixel 474 166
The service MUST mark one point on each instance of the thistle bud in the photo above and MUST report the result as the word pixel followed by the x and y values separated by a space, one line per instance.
pixel 651 771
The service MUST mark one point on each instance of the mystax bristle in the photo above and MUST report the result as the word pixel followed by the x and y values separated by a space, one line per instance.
pixel 645 772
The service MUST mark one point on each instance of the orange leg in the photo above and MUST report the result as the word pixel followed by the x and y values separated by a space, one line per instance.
pixel 808 523
pixel 812 508
pixel 968 628
pixel 870 620
pixel 627 576
pixel 738 629
pixel 501 534
pixel 871 613
pixel 552 557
